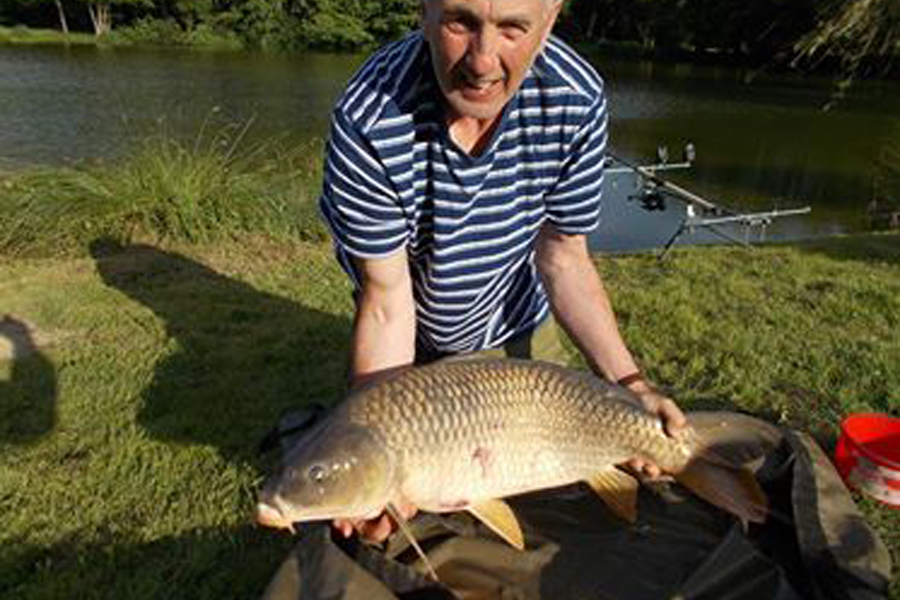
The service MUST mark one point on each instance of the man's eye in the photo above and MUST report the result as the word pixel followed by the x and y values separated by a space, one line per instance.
pixel 513 30
pixel 456 26
pixel 513 33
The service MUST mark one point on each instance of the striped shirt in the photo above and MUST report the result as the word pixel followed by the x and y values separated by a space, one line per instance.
pixel 395 181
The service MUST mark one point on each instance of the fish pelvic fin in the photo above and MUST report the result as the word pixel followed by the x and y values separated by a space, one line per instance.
pixel 499 518
pixel 404 527
pixel 618 490
pixel 733 489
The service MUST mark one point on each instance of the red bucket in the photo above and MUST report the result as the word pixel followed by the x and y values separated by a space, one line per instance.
pixel 868 456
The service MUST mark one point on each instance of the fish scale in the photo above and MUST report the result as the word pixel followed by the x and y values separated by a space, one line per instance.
pixel 472 429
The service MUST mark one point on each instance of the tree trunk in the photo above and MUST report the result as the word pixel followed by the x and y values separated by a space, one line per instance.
pixel 592 25
pixel 100 17
pixel 64 25
pixel 645 32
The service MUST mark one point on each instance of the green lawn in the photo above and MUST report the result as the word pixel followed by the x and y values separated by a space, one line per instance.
pixel 128 433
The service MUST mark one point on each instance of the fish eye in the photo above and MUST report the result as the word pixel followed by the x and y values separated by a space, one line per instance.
pixel 317 473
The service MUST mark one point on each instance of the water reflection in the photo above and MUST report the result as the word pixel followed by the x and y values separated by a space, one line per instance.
pixel 58 104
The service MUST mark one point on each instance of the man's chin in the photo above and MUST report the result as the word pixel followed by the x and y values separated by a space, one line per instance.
pixel 485 110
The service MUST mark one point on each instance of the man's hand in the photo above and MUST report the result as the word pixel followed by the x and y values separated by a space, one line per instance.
pixel 673 420
pixel 374 530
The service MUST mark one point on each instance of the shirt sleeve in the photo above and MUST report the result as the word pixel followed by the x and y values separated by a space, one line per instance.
pixel 359 203
pixel 573 205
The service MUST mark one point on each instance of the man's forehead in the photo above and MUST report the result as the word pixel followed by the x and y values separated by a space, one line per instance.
pixel 494 8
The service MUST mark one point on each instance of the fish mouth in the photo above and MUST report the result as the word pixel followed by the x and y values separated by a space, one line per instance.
pixel 269 516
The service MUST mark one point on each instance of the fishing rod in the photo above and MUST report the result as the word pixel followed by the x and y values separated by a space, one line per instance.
pixel 653 189
pixel 648 173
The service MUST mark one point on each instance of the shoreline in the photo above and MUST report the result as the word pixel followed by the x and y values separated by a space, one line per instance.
pixel 224 42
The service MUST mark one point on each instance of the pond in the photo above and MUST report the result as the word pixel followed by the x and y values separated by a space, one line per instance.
pixel 762 140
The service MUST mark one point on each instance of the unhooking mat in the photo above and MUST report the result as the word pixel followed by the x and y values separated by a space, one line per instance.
pixel 815 546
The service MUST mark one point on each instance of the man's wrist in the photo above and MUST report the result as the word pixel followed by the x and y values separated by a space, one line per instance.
pixel 635 382
pixel 630 378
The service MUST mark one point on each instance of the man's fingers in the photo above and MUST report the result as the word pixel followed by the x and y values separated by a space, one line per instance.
pixel 376 530
pixel 673 419
pixel 344 526
pixel 651 471
pixel 407 510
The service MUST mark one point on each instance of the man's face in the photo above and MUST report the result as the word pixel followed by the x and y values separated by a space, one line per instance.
pixel 482 49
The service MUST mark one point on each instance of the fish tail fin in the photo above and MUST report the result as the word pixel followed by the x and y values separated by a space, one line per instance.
pixel 726 443
pixel 734 490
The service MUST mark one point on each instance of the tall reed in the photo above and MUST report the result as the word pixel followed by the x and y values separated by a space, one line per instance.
pixel 212 187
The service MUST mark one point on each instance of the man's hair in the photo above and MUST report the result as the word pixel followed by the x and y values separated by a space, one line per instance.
pixel 547 2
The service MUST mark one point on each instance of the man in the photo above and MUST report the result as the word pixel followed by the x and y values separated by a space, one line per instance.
pixel 463 173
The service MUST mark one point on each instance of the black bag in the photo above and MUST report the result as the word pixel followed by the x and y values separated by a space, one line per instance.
pixel 816 545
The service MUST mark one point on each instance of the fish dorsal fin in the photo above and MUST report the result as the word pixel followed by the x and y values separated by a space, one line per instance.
pixel 404 527
pixel 618 490
pixel 499 518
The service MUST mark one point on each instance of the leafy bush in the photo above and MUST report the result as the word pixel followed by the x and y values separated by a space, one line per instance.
pixel 160 32
pixel 208 36
pixel 336 32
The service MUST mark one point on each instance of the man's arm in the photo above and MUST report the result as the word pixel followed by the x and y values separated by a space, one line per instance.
pixel 580 302
pixel 582 307
pixel 384 327
pixel 384 331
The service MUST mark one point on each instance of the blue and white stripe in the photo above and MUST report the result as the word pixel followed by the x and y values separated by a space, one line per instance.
pixel 394 181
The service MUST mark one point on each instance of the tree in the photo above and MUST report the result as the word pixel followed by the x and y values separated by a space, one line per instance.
pixel 63 22
pixel 60 11
pixel 853 32
pixel 100 12
pixel 100 18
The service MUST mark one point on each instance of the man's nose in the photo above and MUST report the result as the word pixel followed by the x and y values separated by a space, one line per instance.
pixel 483 56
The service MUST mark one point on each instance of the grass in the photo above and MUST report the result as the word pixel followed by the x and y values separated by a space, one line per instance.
pixel 128 434
pixel 142 33
pixel 29 36
pixel 159 374
pixel 204 189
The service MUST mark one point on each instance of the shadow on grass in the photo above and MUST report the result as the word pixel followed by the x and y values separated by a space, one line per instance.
pixel 28 398
pixel 238 357
pixel 201 564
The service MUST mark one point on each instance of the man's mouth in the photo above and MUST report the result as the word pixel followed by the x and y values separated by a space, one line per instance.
pixel 480 89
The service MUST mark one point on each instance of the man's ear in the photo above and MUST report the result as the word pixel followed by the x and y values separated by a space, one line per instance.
pixel 553 14
pixel 422 9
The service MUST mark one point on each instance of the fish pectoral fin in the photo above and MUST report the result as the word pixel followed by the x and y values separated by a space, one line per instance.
pixel 618 490
pixel 499 518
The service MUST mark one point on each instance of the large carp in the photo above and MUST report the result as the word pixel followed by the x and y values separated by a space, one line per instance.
pixel 462 434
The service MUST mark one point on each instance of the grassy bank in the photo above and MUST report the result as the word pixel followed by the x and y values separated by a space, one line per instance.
pixel 28 35
pixel 142 33
pixel 211 187
pixel 148 373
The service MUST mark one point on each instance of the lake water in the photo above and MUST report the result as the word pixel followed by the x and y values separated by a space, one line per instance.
pixel 762 141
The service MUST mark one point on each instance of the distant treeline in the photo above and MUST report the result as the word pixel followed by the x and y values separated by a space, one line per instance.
pixel 760 30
